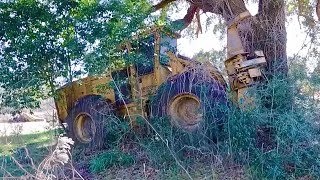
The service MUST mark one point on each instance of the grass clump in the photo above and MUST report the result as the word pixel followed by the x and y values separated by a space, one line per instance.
pixel 9 143
pixel 108 159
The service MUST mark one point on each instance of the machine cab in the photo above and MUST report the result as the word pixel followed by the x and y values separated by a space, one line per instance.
pixel 150 67
pixel 151 49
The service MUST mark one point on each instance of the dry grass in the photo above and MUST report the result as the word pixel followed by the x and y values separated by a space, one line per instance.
pixel 36 156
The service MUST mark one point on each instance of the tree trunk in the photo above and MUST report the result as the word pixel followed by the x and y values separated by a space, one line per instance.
pixel 318 9
pixel 270 35
pixel 264 31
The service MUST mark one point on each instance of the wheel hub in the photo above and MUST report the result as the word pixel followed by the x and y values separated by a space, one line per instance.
pixel 185 111
pixel 84 127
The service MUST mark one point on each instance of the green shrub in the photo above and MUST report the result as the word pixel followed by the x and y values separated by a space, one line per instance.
pixel 276 139
pixel 116 129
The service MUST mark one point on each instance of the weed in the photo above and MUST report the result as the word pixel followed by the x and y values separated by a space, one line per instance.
pixel 108 159
pixel 117 130
pixel 22 148
pixel 23 164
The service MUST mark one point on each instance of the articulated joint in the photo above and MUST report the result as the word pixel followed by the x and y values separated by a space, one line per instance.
pixel 244 71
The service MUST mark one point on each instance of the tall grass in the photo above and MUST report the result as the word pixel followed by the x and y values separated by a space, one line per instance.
pixel 276 138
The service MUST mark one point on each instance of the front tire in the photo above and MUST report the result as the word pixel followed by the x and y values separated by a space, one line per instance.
pixel 87 122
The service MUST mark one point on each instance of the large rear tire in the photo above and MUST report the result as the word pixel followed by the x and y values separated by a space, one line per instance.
pixel 87 122
pixel 194 101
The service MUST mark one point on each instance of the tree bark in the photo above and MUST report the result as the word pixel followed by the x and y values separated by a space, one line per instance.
pixel 318 9
pixel 264 31
pixel 271 35
pixel 161 4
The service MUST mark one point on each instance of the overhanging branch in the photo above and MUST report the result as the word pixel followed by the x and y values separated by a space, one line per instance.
pixel 161 4
pixel 227 8
pixel 181 24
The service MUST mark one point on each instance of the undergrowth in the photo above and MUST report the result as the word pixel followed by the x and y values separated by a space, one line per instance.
pixel 17 146
pixel 276 138
pixel 35 159
pixel 110 158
